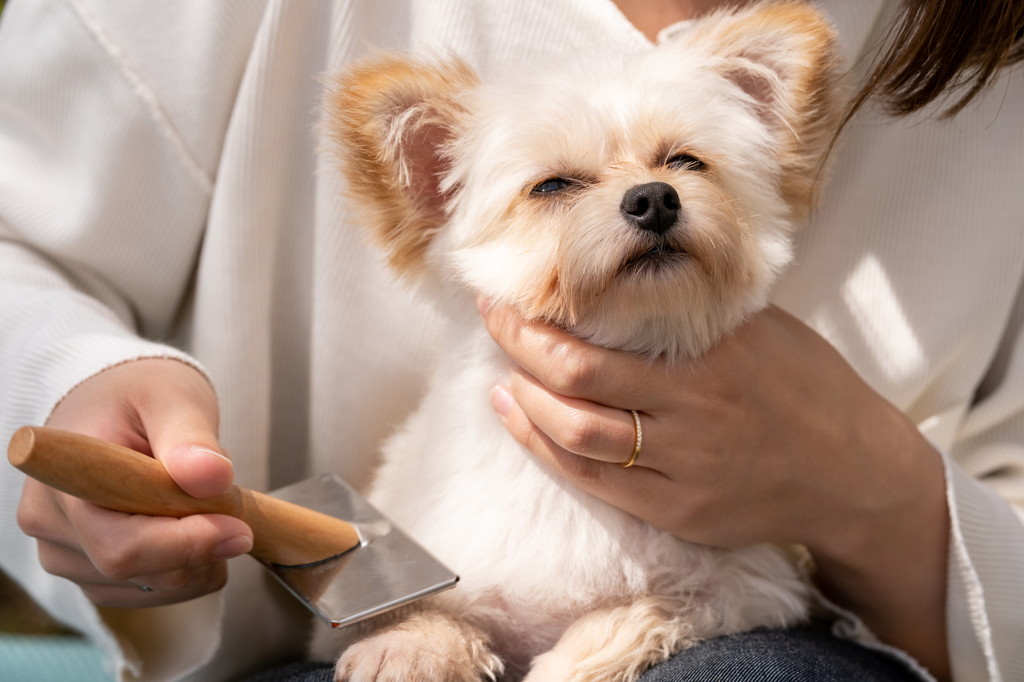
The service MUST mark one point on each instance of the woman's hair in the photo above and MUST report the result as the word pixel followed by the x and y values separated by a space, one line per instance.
pixel 942 49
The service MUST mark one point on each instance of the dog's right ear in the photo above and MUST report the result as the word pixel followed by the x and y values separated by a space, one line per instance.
pixel 388 122
pixel 784 55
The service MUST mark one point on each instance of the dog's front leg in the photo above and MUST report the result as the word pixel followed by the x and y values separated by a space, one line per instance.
pixel 428 646
pixel 616 644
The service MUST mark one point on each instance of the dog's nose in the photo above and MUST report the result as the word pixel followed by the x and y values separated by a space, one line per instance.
pixel 653 206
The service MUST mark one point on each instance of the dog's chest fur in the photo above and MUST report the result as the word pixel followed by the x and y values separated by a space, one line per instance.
pixel 534 553
pixel 528 192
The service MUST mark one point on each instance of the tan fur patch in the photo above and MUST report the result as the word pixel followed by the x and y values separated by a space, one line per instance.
pixel 812 110
pixel 388 121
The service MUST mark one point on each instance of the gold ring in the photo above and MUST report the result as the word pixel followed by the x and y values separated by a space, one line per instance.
pixel 638 441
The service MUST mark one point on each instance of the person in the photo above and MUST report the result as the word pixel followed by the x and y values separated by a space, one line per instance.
pixel 180 273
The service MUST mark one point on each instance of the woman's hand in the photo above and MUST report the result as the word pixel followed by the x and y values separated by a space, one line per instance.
pixel 168 410
pixel 771 437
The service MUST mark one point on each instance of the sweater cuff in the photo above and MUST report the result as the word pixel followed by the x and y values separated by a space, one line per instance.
pixel 985 613
pixel 165 642
pixel 49 374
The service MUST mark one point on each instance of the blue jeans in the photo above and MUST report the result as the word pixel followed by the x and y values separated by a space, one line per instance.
pixel 805 654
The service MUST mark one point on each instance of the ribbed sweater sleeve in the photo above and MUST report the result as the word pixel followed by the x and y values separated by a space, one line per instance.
pixel 93 157
pixel 87 163
pixel 158 177
pixel 986 588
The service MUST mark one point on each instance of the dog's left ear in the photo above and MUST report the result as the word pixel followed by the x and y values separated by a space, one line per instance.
pixel 784 55
pixel 389 121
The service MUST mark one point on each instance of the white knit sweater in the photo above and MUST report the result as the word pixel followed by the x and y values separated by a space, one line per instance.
pixel 161 195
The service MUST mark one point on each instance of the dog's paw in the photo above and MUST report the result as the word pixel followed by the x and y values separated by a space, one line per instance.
pixel 550 666
pixel 427 647
pixel 616 644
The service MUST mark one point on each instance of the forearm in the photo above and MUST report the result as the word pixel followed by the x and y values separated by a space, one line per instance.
pixel 889 567
pixel 805 451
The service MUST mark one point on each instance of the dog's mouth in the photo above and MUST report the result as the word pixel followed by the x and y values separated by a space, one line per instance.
pixel 654 258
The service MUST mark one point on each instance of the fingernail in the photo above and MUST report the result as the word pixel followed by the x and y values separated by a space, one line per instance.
pixel 483 303
pixel 199 450
pixel 232 547
pixel 502 400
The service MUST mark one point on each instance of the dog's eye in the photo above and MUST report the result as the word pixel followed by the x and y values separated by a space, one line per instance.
pixel 685 162
pixel 551 185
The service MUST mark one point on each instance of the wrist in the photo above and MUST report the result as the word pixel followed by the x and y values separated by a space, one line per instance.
pixel 900 499
pixel 886 560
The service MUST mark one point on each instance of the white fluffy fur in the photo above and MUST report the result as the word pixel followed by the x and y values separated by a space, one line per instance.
pixel 551 577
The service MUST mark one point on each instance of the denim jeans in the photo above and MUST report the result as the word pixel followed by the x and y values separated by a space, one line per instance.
pixel 805 654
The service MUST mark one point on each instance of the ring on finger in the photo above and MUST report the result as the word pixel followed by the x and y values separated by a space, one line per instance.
pixel 638 441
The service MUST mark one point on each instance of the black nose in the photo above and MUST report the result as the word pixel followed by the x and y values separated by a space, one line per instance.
pixel 653 206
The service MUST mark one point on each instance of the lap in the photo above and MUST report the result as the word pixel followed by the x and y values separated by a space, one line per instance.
pixel 297 672
pixel 793 655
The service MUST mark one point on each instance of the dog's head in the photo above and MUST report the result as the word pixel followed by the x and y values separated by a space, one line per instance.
pixel 644 202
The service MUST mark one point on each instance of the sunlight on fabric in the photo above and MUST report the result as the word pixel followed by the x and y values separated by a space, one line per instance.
pixel 872 300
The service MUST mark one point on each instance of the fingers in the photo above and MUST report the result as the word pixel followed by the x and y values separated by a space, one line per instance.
pixel 580 427
pixel 571 367
pixel 570 404
pixel 166 409
pixel 111 555
pixel 140 591
pixel 125 546
pixel 579 396
pixel 639 490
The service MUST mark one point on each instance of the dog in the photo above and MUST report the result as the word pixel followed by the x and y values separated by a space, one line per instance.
pixel 645 204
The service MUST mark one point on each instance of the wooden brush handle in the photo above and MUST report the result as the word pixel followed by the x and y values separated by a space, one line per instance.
pixel 124 480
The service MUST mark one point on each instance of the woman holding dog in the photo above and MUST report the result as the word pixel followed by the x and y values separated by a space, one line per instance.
pixel 165 228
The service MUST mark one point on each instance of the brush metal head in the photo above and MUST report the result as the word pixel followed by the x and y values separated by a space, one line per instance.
pixel 385 571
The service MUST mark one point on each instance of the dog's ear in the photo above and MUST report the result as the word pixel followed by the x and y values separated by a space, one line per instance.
pixel 785 57
pixel 388 122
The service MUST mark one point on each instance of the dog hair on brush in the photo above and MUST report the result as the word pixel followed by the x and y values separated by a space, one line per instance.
pixel 644 202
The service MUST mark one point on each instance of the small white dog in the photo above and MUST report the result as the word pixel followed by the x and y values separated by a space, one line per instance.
pixel 644 204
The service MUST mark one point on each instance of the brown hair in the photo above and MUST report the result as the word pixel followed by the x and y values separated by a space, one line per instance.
pixel 944 47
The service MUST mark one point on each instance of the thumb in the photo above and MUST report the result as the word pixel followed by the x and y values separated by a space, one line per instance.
pixel 195 462
pixel 181 427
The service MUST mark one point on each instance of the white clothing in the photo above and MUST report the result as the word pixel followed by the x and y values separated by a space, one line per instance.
pixel 159 179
